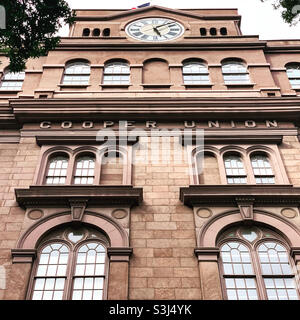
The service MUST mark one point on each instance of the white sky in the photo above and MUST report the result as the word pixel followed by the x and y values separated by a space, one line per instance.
pixel 257 18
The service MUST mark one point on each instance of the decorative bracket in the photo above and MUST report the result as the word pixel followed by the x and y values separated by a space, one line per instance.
pixel 207 254
pixel 23 255
pixel 78 208
pixel 246 208
pixel 295 253
pixel 119 254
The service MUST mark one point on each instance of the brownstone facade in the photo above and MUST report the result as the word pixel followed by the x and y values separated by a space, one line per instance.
pixel 162 219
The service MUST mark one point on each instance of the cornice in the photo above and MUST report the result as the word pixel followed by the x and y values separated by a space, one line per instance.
pixel 64 195
pixel 137 12
pixel 231 195
pixel 172 108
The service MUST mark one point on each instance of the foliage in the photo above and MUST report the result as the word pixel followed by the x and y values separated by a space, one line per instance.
pixel 31 29
pixel 290 10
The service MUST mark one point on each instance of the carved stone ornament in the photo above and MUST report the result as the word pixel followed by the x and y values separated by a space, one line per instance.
pixel 246 208
pixel 77 209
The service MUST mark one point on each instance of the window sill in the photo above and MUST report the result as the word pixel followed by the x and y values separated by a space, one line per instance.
pixel 10 91
pixel 108 85
pixel 62 195
pixel 74 85
pixel 156 85
pixel 239 85
pixel 202 85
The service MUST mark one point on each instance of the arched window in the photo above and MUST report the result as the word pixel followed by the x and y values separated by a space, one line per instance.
pixel 77 73
pixel 195 73
pixel 86 32
pixel 112 168
pixel 12 81
pixel 56 172
pixel 293 72
pixel 223 31
pixel 255 265
pixel 71 265
pixel 96 32
pixel 203 32
pixel 235 72
pixel 235 171
pixel 106 32
pixel 84 170
pixel 213 31
pixel 116 73
pixel 262 169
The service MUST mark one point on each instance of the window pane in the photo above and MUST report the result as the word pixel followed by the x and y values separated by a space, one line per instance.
pixel 12 81
pixel 234 169
pixel 262 169
pixel 50 265
pixel 57 170
pixel 84 173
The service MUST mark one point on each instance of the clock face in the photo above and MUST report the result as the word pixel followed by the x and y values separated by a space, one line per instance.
pixel 155 29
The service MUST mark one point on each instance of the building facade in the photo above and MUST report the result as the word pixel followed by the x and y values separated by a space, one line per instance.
pixel 154 154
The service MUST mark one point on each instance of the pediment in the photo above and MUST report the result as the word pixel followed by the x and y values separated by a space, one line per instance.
pixel 153 10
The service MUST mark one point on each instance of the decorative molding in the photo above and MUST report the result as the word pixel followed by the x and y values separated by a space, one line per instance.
pixel 295 253
pixel 67 139
pixel 207 254
pixel 77 209
pixel 119 254
pixel 93 195
pixel 246 207
pixel 23 255
pixel 230 195
pixel 233 137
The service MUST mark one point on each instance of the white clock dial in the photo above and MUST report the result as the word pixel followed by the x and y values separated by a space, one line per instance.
pixel 155 29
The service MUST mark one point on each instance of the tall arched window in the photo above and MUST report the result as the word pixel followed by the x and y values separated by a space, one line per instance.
pixel 262 169
pixel 235 72
pixel 195 73
pixel 255 264
pixel 57 170
pixel 116 73
pixel 293 73
pixel 84 170
pixel 71 265
pixel 77 73
pixel 235 171
pixel 12 81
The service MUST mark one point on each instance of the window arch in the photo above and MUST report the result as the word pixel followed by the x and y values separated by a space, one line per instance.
pixel 293 73
pixel 255 264
pixel 71 264
pixel 213 31
pixel 84 171
pixel 223 31
pixel 235 170
pixel 86 32
pixel 77 73
pixel 116 73
pixel 262 169
pixel 195 72
pixel 203 32
pixel 96 32
pixel 57 167
pixel 12 81
pixel 235 72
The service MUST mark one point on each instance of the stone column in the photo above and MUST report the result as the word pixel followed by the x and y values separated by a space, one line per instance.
pixel 19 275
pixel 216 77
pixel 209 273
pixel 176 77
pixel 118 273
pixel 136 77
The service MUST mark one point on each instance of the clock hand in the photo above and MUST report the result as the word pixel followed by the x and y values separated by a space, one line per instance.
pixel 162 25
pixel 156 31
